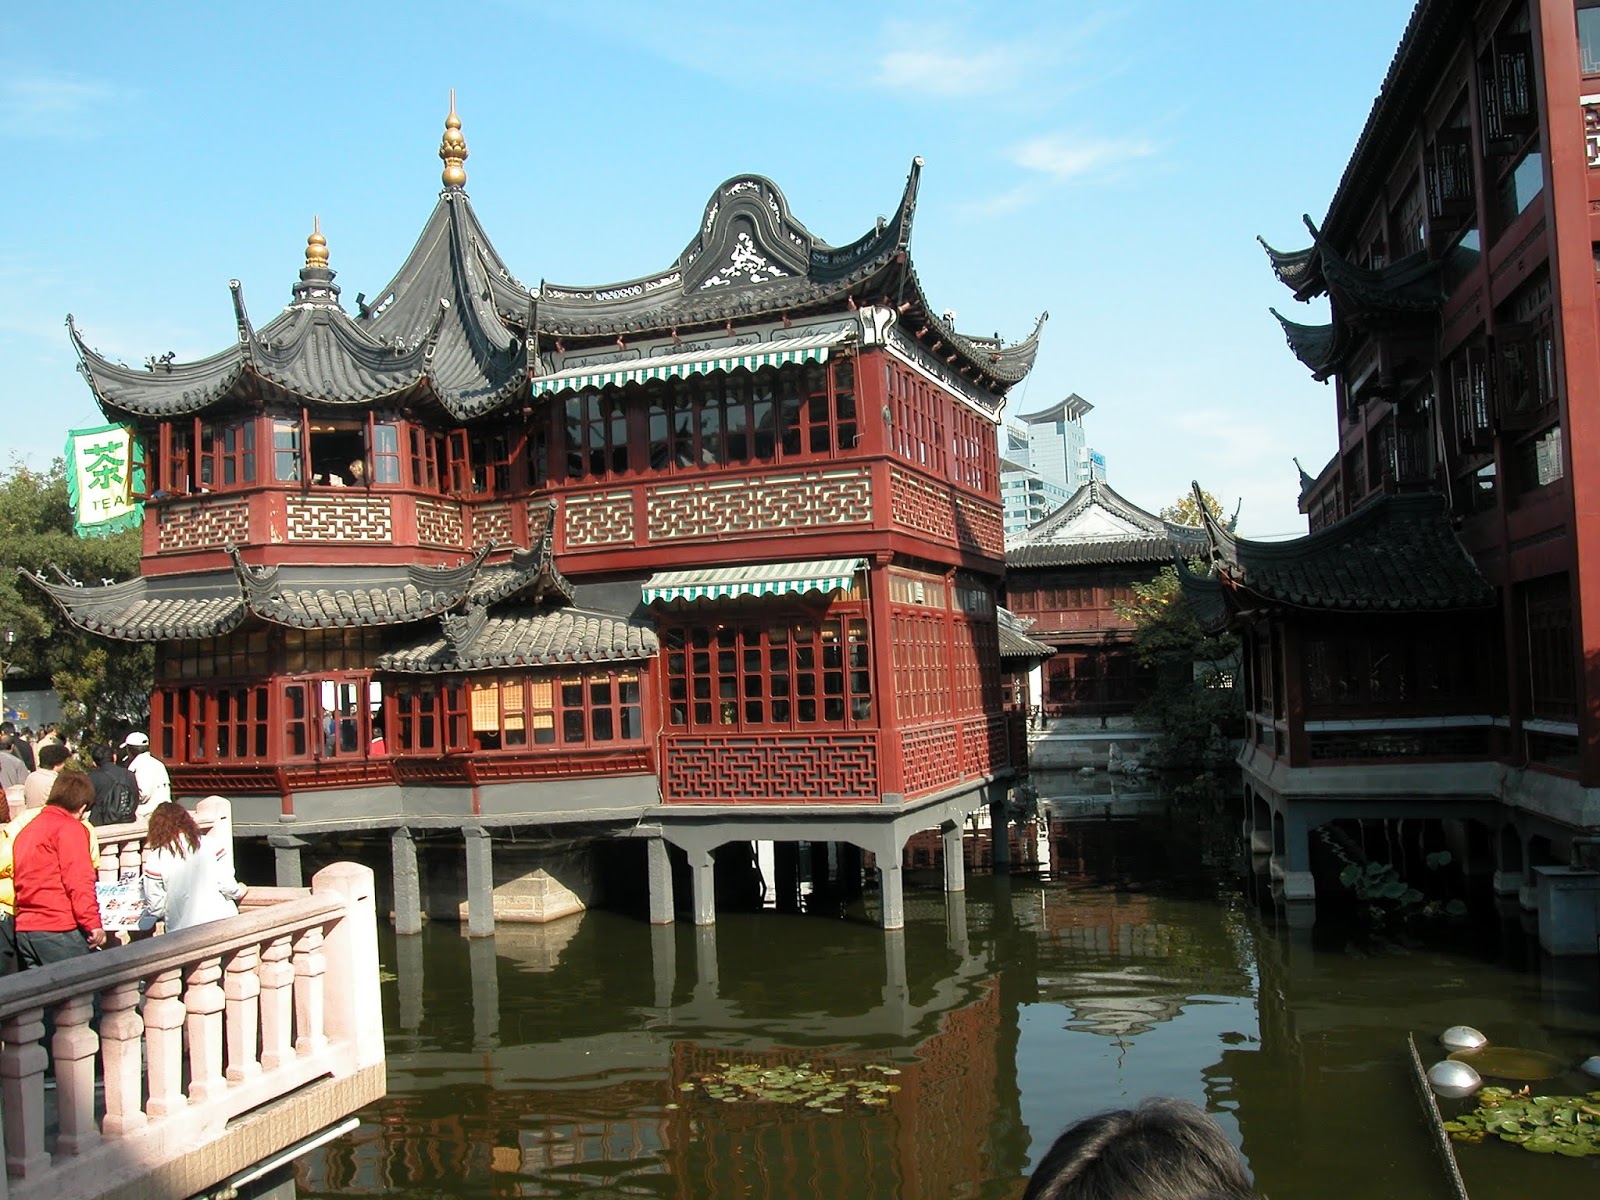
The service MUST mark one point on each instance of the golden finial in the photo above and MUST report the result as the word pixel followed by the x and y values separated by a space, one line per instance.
pixel 453 148
pixel 316 245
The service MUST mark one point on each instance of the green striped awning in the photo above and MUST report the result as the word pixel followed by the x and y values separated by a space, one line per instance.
pixel 813 348
pixel 753 579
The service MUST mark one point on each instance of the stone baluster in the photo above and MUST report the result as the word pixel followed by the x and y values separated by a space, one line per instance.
pixel 110 863
pixel 203 1003
pixel 242 986
pixel 22 1063
pixel 277 1004
pixel 310 965
pixel 74 1048
pixel 163 1022
pixel 121 1055
pixel 131 864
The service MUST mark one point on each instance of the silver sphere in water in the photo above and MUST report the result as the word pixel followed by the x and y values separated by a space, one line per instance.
pixel 1462 1037
pixel 1453 1080
pixel 1591 1066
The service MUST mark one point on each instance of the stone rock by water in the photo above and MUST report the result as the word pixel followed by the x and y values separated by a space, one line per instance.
pixel 1462 1037
pixel 1591 1066
pixel 1453 1080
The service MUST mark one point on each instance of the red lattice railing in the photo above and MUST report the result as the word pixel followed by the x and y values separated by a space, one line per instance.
pixel 839 768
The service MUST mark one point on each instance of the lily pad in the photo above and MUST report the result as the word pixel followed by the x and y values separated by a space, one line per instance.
pixel 1511 1062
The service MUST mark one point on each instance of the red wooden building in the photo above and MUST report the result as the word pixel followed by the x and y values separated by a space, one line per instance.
pixel 724 538
pixel 1457 261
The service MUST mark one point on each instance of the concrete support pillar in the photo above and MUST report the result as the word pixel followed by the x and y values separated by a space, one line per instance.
pixel 664 962
pixel 407 882
pixel 286 859
pixel 485 967
pixel 1293 885
pixel 891 891
pixel 1569 910
pixel 999 837
pixel 703 879
pixel 955 867
pixel 480 883
pixel 659 866
pixel 706 981
pixel 786 876
pixel 409 980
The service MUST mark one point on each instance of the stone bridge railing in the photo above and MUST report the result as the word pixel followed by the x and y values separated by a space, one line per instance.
pixel 210 1048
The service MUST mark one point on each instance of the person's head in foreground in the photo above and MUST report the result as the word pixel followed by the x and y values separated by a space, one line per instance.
pixel 1160 1150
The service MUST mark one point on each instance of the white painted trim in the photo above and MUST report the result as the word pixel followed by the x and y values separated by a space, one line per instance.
pixel 1380 723
pixel 1560 728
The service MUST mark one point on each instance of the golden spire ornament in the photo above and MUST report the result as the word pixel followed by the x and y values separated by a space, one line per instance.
pixel 316 246
pixel 453 148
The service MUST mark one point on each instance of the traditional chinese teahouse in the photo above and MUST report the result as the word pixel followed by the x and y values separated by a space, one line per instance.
pixel 707 555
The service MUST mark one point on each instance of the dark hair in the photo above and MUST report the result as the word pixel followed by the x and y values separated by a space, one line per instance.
pixel 102 753
pixel 170 827
pixel 8 727
pixel 52 756
pixel 1161 1150
pixel 72 790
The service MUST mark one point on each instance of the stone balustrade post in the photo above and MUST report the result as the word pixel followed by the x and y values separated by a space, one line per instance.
pixel 73 1048
pixel 203 1002
pixel 22 1063
pixel 351 953
pixel 277 1004
pixel 122 1058
pixel 242 987
pixel 310 971
pixel 163 1043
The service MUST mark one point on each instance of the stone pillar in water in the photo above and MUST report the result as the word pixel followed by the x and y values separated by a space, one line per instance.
pixel 955 871
pixel 664 962
pixel 703 877
pixel 892 891
pixel 485 967
pixel 407 882
pixel 999 836
pixel 480 883
pixel 659 867
pixel 410 977
pixel 286 859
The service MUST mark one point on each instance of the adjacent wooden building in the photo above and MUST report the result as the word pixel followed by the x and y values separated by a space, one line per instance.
pixel 1433 648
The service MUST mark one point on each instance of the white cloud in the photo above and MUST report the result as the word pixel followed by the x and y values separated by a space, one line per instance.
pixel 938 71
pixel 55 105
pixel 1066 157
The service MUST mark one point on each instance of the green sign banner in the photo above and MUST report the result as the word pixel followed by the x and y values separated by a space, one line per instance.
pixel 103 477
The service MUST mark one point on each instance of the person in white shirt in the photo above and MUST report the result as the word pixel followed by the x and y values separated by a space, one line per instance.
pixel 187 878
pixel 155 785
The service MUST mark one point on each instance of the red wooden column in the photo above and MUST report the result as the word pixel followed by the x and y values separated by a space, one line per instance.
pixel 1573 282
pixel 880 632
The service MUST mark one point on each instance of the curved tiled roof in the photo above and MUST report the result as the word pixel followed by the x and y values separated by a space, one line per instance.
pixel 1397 553
pixel 1319 347
pixel 1124 533
pixel 525 637
pixel 208 604
pixel 454 324
pixel 1014 642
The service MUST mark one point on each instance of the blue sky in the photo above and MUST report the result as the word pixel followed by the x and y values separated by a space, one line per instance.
pixel 1109 162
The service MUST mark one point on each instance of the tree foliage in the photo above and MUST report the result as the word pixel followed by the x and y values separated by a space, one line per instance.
pixel 1184 510
pixel 1195 703
pixel 104 686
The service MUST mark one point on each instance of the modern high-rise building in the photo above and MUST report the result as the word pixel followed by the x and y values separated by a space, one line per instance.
pixel 1046 459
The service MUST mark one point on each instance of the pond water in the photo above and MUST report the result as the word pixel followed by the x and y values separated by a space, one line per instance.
pixel 592 1057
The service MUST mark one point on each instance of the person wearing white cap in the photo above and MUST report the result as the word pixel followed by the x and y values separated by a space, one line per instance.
pixel 155 785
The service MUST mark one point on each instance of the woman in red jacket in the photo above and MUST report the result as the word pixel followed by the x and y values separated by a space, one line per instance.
pixel 58 916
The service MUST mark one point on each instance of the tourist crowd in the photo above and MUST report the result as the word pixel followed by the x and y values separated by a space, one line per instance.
pixel 50 904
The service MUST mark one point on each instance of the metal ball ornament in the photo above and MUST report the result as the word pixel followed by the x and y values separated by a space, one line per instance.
pixel 1462 1037
pixel 1453 1080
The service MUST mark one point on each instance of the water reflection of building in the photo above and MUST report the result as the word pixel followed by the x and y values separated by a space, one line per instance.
pixel 592 1110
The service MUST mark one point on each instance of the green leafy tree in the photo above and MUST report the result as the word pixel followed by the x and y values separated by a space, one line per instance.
pixel 103 685
pixel 1195 703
